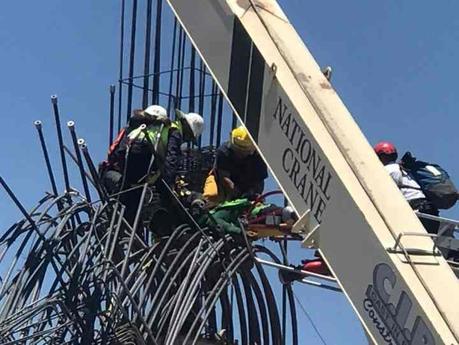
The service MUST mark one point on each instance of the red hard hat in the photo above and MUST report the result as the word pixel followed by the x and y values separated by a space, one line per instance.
pixel 385 147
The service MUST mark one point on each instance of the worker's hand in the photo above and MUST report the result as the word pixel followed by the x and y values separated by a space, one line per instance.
pixel 227 181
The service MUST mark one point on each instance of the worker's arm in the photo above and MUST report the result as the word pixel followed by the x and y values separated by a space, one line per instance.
pixel 222 170
pixel 261 173
pixel 173 155
pixel 257 188
pixel 396 174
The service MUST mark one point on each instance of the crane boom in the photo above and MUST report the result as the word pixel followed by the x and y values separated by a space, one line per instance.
pixel 384 260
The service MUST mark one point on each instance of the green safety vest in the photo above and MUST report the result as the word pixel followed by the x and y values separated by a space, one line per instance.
pixel 236 204
pixel 151 133
pixel 241 204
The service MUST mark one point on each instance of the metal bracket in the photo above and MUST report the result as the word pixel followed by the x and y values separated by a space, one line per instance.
pixel 399 248
pixel 313 238
pixel 274 69
pixel 310 232
pixel 302 225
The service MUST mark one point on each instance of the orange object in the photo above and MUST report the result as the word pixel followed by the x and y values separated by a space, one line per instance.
pixel 210 192
pixel 316 266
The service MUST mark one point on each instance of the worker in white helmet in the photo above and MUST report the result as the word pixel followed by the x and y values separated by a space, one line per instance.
pixel 148 148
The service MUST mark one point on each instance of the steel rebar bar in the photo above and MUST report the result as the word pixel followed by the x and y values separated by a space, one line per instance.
pixel 71 127
pixel 61 142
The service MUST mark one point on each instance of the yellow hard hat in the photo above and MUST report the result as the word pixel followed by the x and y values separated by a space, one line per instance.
pixel 240 140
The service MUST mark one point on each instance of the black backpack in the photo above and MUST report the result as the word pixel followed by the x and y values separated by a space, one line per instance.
pixel 434 181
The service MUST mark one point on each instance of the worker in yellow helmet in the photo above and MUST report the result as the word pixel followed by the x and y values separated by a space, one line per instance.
pixel 238 171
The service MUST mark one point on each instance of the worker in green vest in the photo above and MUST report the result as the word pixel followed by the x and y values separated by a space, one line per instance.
pixel 148 148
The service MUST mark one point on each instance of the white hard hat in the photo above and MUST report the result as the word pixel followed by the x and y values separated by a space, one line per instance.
pixel 194 120
pixel 156 111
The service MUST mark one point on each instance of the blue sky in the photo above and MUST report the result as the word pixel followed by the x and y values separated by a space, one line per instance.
pixel 395 67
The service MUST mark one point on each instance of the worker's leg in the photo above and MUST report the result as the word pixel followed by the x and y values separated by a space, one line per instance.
pixel 131 200
pixel 430 225
pixel 425 206
pixel 112 180
pixel 161 210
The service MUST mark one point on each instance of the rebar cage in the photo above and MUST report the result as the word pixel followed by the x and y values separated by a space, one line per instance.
pixel 76 272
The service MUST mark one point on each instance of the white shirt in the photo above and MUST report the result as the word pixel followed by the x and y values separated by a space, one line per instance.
pixel 404 181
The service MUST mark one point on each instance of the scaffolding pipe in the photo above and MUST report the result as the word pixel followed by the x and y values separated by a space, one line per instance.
pixel 131 59
pixel 178 99
pixel 219 119
pixel 146 68
pixel 213 113
pixel 291 269
pixel 437 218
pixel 120 80
pixel 112 114
pixel 171 75
pixel 191 100
pixel 202 80
pixel 182 67
pixel 157 58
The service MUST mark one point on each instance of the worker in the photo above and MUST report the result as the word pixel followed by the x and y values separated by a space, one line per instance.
pixel 258 218
pixel 226 215
pixel 411 190
pixel 238 170
pixel 147 149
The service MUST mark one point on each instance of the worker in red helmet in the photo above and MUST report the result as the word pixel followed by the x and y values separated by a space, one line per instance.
pixel 387 154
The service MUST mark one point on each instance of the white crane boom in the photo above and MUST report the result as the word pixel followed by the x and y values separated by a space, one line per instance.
pixel 403 291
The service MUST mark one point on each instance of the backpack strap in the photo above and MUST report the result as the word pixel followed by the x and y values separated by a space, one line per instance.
pixel 406 172
pixel 117 141
pixel 158 134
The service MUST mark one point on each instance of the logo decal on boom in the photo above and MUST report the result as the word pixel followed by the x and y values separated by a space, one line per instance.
pixel 391 320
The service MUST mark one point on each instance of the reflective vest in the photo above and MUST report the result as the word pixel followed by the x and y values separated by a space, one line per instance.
pixel 157 140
